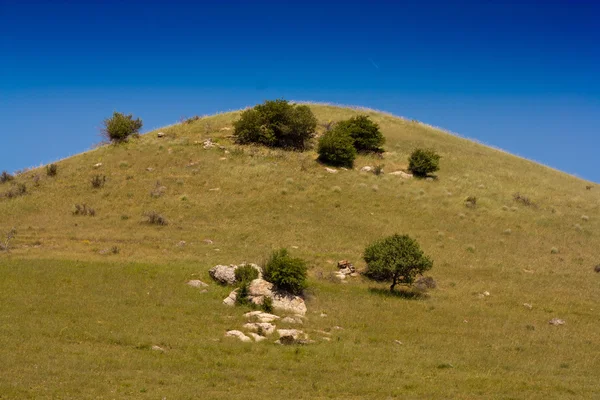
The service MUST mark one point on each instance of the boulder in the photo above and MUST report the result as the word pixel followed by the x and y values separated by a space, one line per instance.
pixel 292 320
pixel 257 337
pixel 224 274
pixel 160 134
pixel 197 283
pixel 345 267
pixel 367 168
pixel 239 335
pixel 260 327
pixel 331 170
pixel 401 174
pixel 230 300
pixel 292 336
pixel 556 321
pixel 259 289
pixel 261 316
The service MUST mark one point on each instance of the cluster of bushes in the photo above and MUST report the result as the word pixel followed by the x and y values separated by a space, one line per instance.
pixel 276 123
pixel 52 170
pixel 154 218
pixel 84 210
pixel 98 181
pixel 340 144
pixel 16 191
pixel 423 162
pixel 6 177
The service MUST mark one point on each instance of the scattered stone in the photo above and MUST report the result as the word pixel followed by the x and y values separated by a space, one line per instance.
pixel 337 328
pixel 259 289
pixel 160 134
pixel 401 174
pixel 486 293
pixel 367 168
pixel 425 282
pixel 257 337
pixel 208 241
pixel 398 342
pixel 261 316
pixel 225 129
pixel 597 268
pixel 230 300
pixel 181 243
pixel 345 267
pixel 98 165
pixel 197 283
pixel 291 336
pixel 149 169
pixel 208 144
pixel 528 306
pixel 239 335
pixel 224 274
pixel 157 348
pixel 323 315
pixel 214 189
pixel 556 321
pixel 292 320
pixel 331 170
pixel 264 327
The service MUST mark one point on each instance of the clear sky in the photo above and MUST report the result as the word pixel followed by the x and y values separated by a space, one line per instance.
pixel 520 75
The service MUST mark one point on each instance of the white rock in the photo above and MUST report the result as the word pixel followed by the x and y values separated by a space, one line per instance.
pixel 224 274
pixel 401 174
pixel 367 168
pixel 528 306
pixel 295 333
pixel 230 300
pixel 98 165
pixel 265 317
pixel 197 283
pixel 157 348
pixel 265 327
pixel 160 134
pixel 331 170
pixel 257 337
pixel 556 321
pixel 239 335
pixel 292 320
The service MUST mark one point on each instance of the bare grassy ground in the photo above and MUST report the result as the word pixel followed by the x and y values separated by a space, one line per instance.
pixel 78 321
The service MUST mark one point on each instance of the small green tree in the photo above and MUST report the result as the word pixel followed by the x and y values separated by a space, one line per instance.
pixel 276 123
pixel 423 162
pixel 336 148
pixel 365 133
pixel 397 258
pixel 245 273
pixel 285 272
pixel 120 126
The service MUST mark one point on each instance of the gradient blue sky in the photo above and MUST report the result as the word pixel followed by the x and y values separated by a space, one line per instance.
pixel 520 75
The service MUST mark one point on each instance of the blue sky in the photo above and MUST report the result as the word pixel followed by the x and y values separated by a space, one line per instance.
pixel 520 75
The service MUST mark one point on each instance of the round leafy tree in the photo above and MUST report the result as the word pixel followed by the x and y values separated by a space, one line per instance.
pixel 397 258
pixel 423 162
pixel 285 272
pixel 276 123
pixel 364 132
pixel 336 148
pixel 120 126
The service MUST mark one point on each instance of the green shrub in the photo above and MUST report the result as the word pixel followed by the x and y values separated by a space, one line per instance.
pixel 267 305
pixel 276 123
pixel 98 181
pixel 6 177
pixel 397 258
pixel 336 148
pixel 245 273
pixel 365 133
pixel 423 162
pixel 51 170
pixel 285 272
pixel 120 126
pixel 241 297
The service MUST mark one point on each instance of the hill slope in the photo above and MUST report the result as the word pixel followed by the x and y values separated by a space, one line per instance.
pixel 66 298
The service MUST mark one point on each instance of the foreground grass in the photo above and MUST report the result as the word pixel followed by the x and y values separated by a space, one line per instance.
pixel 77 321
pixel 85 330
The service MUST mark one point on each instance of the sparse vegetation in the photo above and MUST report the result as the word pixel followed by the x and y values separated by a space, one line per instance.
pixel 526 201
pixel 120 127
pixel 397 258
pixel 8 237
pixel 378 169
pixel 20 189
pixel 6 177
pixel 423 162
pixel 285 272
pixel 336 148
pixel 364 132
pixel 276 123
pixel 84 210
pixel 98 181
pixel 154 218
pixel 471 202
pixel 51 170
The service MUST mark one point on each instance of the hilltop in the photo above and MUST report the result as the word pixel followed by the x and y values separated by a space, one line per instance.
pixel 79 310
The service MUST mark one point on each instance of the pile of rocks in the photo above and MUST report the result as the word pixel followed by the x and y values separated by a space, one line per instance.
pixel 345 269
pixel 259 289
pixel 260 325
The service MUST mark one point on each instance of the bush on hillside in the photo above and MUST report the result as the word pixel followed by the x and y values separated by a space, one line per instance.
pixel 154 218
pixel 365 133
pixel 276 123
pixel 120 126
pixel 98 181
pixel 51 170
pixel 245 273
pixel 6 177
pixel 285 272
pixel 397 259
pixel 423 162
pixel 336 148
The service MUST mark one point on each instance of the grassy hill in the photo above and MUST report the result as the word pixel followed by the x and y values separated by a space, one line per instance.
pixel 78 321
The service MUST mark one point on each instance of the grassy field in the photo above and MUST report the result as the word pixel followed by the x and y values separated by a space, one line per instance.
pixel 77 321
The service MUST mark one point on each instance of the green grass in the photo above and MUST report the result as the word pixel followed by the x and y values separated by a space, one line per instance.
pixel 75 323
